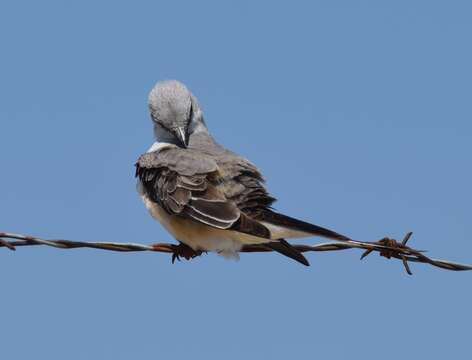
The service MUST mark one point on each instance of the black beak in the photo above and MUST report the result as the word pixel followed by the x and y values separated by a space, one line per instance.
pixel 182 135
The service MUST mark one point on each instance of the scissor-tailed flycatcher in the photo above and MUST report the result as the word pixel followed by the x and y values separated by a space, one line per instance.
pixel 207 197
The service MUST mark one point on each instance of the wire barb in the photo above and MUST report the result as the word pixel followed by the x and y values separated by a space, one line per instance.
pixel 395 249
pixel 386 247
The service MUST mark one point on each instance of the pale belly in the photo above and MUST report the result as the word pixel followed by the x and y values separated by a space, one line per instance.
pixel 196 235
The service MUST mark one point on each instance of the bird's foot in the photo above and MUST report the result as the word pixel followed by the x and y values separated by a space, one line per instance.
pixel 184 251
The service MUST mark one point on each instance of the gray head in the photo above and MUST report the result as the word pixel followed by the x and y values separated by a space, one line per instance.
pixel 175 112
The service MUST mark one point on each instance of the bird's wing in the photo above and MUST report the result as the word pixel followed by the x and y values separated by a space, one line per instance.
pixel 188 183
pixel 244 184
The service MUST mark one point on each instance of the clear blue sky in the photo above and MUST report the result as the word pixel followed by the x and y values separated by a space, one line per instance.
pixel 368 103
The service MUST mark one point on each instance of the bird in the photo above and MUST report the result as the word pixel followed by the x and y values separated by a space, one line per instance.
pixel 209 198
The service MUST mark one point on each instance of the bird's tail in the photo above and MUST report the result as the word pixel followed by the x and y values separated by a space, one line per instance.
pixel 284 248
pixel 283 226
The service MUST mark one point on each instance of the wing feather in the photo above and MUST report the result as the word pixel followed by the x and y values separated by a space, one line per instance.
pixel 188 183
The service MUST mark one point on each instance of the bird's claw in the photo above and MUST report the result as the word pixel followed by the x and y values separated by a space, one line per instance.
pixel 184 251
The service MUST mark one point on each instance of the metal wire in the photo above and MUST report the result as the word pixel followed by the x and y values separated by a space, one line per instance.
pixel 386 247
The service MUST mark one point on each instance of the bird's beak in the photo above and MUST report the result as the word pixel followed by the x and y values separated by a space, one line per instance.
pixel 182 135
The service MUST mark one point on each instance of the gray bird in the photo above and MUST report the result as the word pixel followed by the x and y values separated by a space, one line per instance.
pixel 207 197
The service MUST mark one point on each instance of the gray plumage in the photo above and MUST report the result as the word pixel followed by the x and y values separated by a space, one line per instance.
pixel 208 197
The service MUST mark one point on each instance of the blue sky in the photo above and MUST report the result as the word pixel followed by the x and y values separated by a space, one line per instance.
pixel 366 103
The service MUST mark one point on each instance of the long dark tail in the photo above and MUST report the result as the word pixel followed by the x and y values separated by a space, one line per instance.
pixel 299 225
pixel 284 248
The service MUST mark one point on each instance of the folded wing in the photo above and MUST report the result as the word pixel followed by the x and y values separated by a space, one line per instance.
pixel 189 184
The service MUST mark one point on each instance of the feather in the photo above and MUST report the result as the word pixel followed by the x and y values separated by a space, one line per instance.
pixel 284 248
pixel 302 227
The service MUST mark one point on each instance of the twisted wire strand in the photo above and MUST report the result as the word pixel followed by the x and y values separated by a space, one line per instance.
pixel 386 247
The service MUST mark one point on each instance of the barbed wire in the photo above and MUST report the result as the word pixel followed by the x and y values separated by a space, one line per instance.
pixel 386 247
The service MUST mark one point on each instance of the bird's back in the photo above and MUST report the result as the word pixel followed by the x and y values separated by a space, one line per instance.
pixel 241 181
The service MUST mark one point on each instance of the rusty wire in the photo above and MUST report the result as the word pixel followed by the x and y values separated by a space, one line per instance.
pixel 386 247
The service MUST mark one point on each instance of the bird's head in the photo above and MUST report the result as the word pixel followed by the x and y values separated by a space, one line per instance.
pixel 175 112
